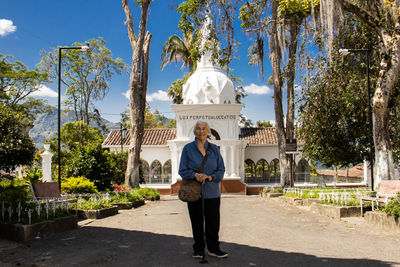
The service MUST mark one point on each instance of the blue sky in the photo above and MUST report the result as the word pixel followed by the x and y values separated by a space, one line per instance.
pixel 27 27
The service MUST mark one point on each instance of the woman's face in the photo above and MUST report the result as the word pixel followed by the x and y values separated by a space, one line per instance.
pixel 201 132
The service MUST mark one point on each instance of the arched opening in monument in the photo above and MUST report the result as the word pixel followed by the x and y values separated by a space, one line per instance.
pixel 215 135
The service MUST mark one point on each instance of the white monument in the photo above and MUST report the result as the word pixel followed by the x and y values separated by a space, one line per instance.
pixel 46 164
pixel 209 95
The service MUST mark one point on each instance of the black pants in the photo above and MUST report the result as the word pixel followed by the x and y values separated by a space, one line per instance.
pixel 212 218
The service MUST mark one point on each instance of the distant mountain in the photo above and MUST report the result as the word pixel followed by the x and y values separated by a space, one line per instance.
pixel 45 125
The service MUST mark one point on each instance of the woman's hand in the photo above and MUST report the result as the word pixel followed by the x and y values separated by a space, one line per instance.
pixel 202 178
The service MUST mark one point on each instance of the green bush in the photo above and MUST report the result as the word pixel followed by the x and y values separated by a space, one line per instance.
pixel 118 162
pixel 91 162
pixel 78 185
pixel 149 193
pixel 34 175
pixel 135 195
pixel 393 207
pixel 14 191
pixel 92 205
pixel 131 196
pixel 277 189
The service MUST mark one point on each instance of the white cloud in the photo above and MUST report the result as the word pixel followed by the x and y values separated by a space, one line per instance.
pixel 126 94
pixel 44 91
pixel 257 89
pixel 6 27
pixel 159 95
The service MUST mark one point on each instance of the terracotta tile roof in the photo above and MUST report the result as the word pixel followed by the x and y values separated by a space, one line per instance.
pixel 256 136
pixel 357 171
pixel 150 137
pixel 259 136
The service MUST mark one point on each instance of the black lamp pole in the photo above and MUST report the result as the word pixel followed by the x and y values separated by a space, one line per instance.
pixel 82 48
pixel 371 153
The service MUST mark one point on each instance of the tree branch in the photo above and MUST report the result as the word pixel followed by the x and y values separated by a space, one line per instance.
pixel 367 18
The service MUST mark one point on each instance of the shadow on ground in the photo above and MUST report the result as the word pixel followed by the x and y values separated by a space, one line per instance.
pixel 95 246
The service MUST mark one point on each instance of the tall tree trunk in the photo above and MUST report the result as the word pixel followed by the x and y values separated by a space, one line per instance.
pixel 138 89
pixel 294 29
pixel 388 76
pixel 276 57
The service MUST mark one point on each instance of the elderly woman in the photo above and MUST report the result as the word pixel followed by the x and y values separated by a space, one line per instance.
pixel 211 176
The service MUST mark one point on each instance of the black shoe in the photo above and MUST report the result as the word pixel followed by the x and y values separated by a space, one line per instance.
pixel 197 254
pixel 219 254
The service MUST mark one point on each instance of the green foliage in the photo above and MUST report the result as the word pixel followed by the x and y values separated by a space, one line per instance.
pixel 178 49
pixel 151 119
pixel 131 196
pixel 16 147
pixel 333 105
pixel 118 162
pixel 299 8
pixel 14 191
pixel 78 185
pixel 176 89
pixel 86 74
pixel 223 14
pixel 263 124
pixel 82 155
pixel 76 134
pixel 92 204
pixel 149 193
pixel 16 84
pixel 393 207
pixel 34 175
pixel 91 162
pixel 313 193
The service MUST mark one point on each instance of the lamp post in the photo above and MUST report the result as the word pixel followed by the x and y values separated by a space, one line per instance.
pixel 82 48
pixel 371 154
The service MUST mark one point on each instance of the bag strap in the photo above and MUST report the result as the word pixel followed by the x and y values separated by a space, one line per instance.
pixel 204 158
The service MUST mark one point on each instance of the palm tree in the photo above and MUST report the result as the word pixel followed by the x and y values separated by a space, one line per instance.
pixel 178 49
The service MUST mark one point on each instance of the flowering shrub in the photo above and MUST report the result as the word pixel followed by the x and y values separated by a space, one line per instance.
pixel 121 188
pixel 78 185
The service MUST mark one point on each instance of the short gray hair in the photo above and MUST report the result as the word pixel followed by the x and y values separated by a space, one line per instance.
pixel 201 122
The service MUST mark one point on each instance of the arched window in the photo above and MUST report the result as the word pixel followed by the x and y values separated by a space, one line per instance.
pixel 155 172
pixel 249 168
pixel 302 171
pixel 275 170
pixel 144 171
pixel 262 170
pixel 167 172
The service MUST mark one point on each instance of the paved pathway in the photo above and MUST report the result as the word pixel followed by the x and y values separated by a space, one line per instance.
pixel 255 232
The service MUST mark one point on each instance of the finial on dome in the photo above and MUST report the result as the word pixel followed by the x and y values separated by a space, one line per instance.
pixel 206 28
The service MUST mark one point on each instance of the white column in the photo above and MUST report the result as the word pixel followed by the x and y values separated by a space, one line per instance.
pixel 225 157
pixel 46 164
pixel 233 161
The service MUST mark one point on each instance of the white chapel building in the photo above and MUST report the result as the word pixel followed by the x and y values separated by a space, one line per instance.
pixel 250 154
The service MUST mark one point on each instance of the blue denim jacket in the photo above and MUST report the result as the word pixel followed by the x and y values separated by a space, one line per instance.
pixel 191 159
